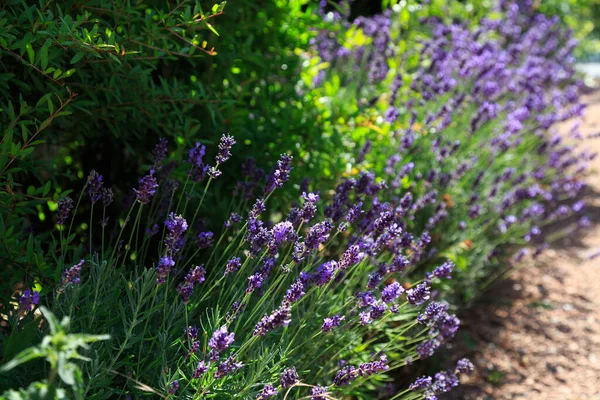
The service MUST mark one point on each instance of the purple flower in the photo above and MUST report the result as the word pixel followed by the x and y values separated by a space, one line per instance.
pixel 391 292
pixel 225 146
pixel 295 292
pixel 391 114
pixel 318 233
pixel 200 370
pixel 232 265
pixel 281 232
pixel 233 219
pixel 94 186
pixel 196 154
pixel 186 288
pixel 163 269
pixel 176 227
pixel 333 322
pixel 444 382
pixel 444 270
pixel 345 376
pixel 226 367
pixel 159 153
pixel 317 391
pixel 107 196
pixel 281 173
pixel 289 377
pixel 427 348
pixel 279 317
pixel 65 205
pixel 267 392
pixel 191 333
pixel 221 339
pixel 71 275
pixel 421 383
pixel 418 295
pixel 213 172
pixel 28 300
pixel 147 189
pixel 173 387
pixel 464 366
pixel 373 367
pixel 205 240
pixel 324 273
pixel 351 256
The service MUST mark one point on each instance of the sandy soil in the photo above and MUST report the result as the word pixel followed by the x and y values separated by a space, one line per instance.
pixel 538 337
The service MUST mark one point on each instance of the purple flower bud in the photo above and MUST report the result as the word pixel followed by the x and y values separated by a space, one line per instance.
pixel 391 292
pixel 28 300
pixel 418 294
pixel 421 383
pixel 200 370
pixel 267 392
pixel 147 189
pixel 173 387
pixel 330 323
pixel 225 146
pixel 444 270
pixel 289 377
pixel 71 275
pixel 464 366
pixel 163 269
pixel 65 205
pixel 205 240
pixel 94 186
pixel 159 153
pixel 221 339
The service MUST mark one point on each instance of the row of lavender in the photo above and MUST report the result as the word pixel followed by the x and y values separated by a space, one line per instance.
pixel 329 296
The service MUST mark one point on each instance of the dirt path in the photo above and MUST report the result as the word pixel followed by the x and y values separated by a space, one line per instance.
pixel 540 338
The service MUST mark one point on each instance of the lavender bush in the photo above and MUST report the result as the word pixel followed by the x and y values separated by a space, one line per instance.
pixel 453 169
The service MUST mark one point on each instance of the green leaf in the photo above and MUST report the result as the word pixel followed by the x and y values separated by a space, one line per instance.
pixel 212 29
pixel 77 57
pixel 44 57
pixel 30 53
pixel 68 73
pixel 31 190
pixel 26 355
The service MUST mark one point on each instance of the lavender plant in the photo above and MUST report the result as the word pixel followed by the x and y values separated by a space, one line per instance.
pixel 326 297
pixel 310 305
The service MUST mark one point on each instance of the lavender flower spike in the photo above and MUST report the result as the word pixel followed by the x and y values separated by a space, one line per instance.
pixel 221 339
pixel 28 300
pixel 147 189
pixel 225 146
pixel 65 205
pixel 330 323
pixel 289 377
pixel 71 275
